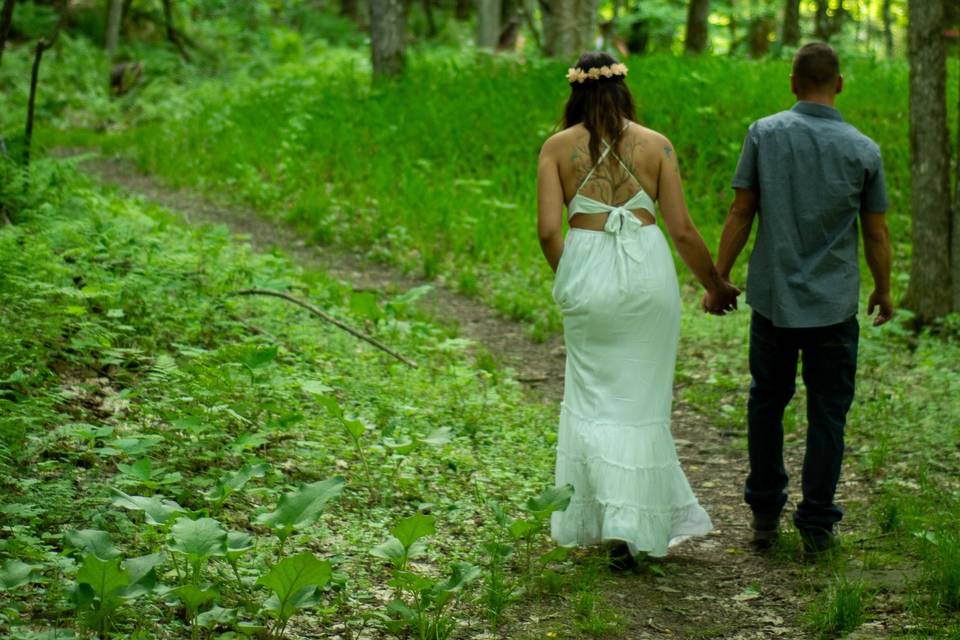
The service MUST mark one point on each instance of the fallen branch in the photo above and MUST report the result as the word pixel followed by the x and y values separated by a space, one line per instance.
pixel 326 316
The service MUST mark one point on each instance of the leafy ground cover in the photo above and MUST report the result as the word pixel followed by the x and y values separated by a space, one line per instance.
pixel 173 455
pixel 126 368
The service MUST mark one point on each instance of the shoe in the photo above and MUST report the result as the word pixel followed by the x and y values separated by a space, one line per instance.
pixel 819 542
pixel 620 558
pixel 766 530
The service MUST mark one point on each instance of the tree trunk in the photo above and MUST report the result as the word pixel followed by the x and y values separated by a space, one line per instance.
pixel 387 32
pixel 349 9
pixel 431 21
pixel 172 34
pixel 462 9
pixel 929 294
pixel 6 19
pixel 488 23
pixel 887 28
pixel 821 27
pixel 42 47
pixel 955 222
pixel 791 23
pixel 569 26
pixel 114 18
pixel 698 11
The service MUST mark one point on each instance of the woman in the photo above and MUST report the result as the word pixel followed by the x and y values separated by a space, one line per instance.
pixel 616 285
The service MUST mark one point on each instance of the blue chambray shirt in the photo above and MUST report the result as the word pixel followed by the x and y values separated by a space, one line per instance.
pixel 814 174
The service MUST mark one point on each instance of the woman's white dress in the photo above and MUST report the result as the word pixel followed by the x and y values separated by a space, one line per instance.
pixel 618 292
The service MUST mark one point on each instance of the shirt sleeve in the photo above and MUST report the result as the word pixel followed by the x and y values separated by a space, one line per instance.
pixel 746 175
pixel 873 198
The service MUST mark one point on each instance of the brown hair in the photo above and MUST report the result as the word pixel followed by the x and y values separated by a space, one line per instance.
pixel 600 105
pixel 815 67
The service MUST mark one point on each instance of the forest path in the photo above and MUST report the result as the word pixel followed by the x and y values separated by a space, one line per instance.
pixel 712 587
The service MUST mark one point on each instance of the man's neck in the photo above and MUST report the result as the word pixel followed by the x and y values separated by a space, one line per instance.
pixel 828 101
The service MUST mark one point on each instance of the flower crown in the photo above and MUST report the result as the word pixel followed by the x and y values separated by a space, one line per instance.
pixel 579 75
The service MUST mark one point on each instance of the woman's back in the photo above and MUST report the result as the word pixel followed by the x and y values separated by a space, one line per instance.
pixel 634 165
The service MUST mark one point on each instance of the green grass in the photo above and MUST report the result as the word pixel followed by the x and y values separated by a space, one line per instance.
pixel 436 172
pixel 127 365
pixel 840 611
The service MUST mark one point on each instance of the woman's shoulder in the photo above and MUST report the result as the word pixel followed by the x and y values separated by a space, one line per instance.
pixel 562 140
pixel 647 134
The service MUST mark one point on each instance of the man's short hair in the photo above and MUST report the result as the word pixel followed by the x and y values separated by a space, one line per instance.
pixel 816 66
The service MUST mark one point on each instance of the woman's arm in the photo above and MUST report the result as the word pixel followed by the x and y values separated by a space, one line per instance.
pixel 550 204
pixel 686 237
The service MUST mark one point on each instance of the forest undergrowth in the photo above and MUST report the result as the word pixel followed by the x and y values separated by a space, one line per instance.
pixel 176 457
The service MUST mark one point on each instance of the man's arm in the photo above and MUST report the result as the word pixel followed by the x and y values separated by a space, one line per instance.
pixel 736 230
pixel 876 248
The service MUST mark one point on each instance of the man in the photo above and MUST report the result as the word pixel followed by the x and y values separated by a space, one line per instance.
pixel 811 177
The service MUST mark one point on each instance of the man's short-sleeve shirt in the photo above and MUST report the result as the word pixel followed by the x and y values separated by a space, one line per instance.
pixel 814 174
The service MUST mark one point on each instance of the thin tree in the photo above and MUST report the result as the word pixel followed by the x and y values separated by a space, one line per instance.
pixel 821 24
pixel 6 19
pixel 488 23
pixel 173 35
pixel 955 222
pixel 387 31
pixel 569 26
pixel 887 27
pixel 791 23
pixel 698 12
pixel 41 48
pixel 930 293
pixel 114 18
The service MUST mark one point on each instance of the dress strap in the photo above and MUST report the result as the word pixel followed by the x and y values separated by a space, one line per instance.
pixel 622 163
pixel 603 156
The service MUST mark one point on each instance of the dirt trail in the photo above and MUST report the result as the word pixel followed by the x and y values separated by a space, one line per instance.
pixel 713 587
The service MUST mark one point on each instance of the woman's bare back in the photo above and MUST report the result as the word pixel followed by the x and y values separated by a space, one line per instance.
pixel 640 149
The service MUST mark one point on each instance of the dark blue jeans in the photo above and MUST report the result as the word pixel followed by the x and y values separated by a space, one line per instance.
pixel 829 359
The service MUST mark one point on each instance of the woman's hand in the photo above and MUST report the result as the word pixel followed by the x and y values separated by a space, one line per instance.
pixel 721 299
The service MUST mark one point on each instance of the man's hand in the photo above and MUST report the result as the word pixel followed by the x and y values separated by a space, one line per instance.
pixel 721 300
pixel 884 306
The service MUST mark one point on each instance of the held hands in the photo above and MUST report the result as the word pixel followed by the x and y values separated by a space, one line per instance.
pixel 883 303
pixel 721 300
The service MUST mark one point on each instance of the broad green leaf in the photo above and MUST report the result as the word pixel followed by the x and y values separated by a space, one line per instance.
pixel 552 499
pixel 239 542
pixel 520 529
pixel 194 596
pixel 409 581
pixel 303 506
pixel 330 403
pixel 92 541
pixel 142 469
pixel 15 573
pixel 557 554
pixel 201 538
pixel 355 427
pixel 105 577
pixel 411 529
pixel 156 509
pixel 402 445
pixel 257 358
pixel 438 437
pixel 391 550
pixel 462 574
pixel 411 295
pixel 216 616
pixel 364 305
pixel 293 579
pixel 141 574
pixel 235 480
pixel 315 387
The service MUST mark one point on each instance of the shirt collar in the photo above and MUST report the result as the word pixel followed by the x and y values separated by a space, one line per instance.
pixel 817 110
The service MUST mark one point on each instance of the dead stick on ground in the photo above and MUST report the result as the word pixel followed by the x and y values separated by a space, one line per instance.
pixel 326 316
